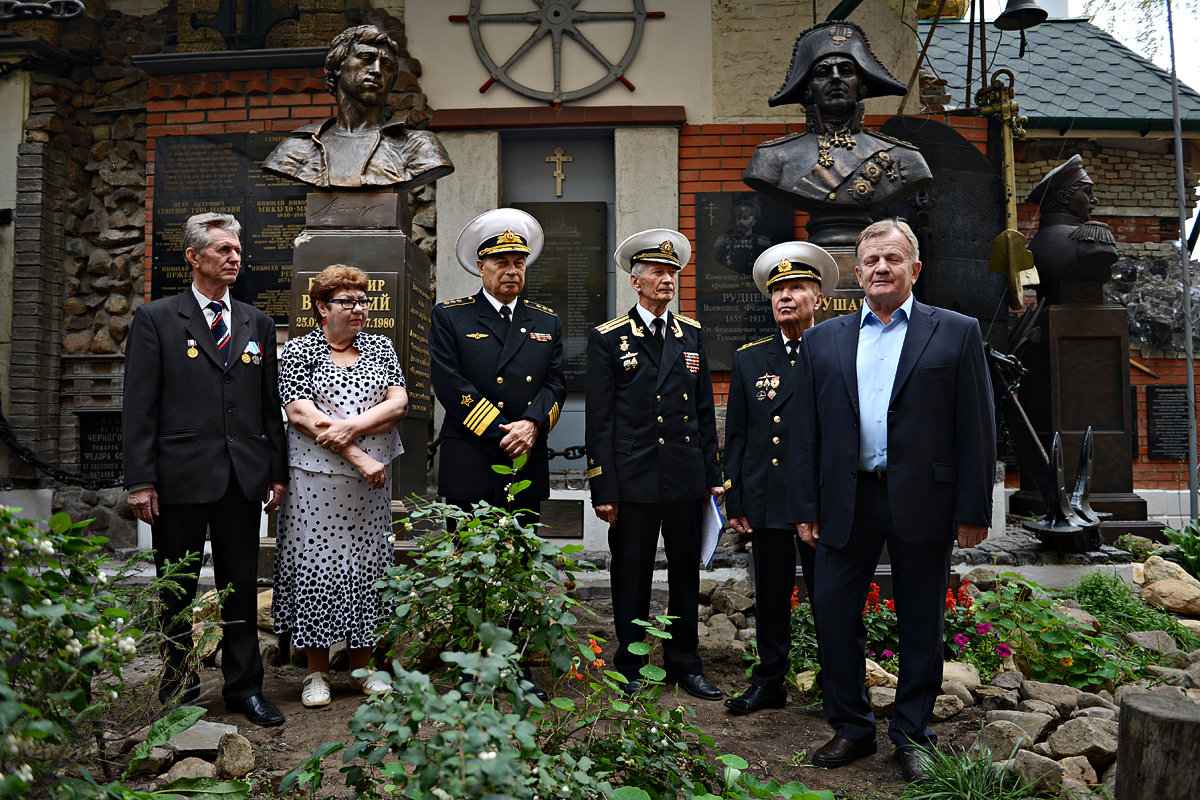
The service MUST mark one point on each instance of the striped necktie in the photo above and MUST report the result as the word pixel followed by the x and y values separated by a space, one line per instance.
pixel 220 331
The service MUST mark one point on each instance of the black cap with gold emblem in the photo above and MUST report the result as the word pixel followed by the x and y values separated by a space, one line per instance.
pixel 834 38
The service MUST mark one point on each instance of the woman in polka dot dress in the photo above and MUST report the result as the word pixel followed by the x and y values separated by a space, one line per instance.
pixel 344 395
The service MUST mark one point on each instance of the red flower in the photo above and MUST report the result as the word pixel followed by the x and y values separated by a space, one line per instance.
pixel 964 597
pixel 795 595
pixel 890 605
pixel 950 601
pixel 873 596
pixel 593 646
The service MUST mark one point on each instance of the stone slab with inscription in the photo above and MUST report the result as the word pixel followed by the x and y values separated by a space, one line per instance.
pixel 100 454
pixel 1167 422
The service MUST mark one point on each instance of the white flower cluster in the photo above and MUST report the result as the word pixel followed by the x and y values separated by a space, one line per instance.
pixel 487 755
pixel 127 646
pixel 45 547
pixel 10 547
pixel 74 648
pixel 24 773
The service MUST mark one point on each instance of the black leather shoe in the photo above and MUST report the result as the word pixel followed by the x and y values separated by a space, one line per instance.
pixel 257 709
pixel 537 691
pixel 696 685
pixel 914 763
pixel 631 686
pixel 839 752
pixel 756 698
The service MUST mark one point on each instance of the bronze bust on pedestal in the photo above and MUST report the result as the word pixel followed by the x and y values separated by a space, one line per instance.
pixel 836 170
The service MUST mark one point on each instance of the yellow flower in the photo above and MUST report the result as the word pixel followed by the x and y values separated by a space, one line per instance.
pixel 1066 662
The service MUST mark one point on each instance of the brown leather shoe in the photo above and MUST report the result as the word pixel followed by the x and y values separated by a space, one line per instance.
pixel 914 763
pixel 839 752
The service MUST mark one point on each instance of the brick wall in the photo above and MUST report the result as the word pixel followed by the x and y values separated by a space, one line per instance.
pixel 1170 370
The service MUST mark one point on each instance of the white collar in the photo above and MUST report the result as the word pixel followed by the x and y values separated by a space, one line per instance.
pixel 204 301
pixel 496 304
pixel 648 318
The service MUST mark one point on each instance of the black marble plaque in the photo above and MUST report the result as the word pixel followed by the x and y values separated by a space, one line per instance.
pixel 223 173
pixel 100 445
pixel 732 230
pixel 1167 422
pixel 571 275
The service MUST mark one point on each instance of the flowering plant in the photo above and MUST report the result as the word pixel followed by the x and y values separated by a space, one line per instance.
pixel 968 637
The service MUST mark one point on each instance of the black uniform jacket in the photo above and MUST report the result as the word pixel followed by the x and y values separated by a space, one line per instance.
pixel 189 420
pixel 485 377
pixel 756 433
pixel 651 427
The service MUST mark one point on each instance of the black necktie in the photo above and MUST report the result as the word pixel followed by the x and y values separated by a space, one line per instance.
pixel 656 338
pixel 506 314
pixel 220 331
pixel 658 329
pixel 792 346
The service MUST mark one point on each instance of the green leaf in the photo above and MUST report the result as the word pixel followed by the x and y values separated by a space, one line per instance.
pixel 653 673
pixel 519 461
pixel 164 728
pixel 520 486
pixel 205 789
pixel 639 648
pixel 501 469
pixel 565 703
pixel 630 793
pixel 730 760
pixel 60 523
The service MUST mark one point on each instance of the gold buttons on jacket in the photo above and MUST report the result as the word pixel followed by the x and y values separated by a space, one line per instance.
pixel 685 395
pixel 500 404
pixel 660 419
pixel 529 379
pixel 774 462
pixel 499 379
pixel 687 440
pixel 662 440
pixel 685 417
pixel 777 419
pixel 775 440
pixel 658 398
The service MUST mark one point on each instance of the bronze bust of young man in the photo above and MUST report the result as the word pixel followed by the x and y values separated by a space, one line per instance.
pixel 836 164
pixel 361 147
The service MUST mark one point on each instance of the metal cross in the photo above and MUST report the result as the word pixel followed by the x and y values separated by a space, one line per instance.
pixel 558 158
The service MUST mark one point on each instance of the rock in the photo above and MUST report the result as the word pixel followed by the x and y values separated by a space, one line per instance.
pixel 1074 790
pixel 878 676
pixel 1010 679
pixel 155 762
pixel 265 623
pixel 1192 625
pixel 339 656
pixel 739 620
pixel 707 587
pixel 1096 712
pixel 1099 700
pixel 1173 693
pixel 721 629
pixel 1002 739
pixel 1041 774
pixel 202 739
pixel 1039 707
pixel 1032 723
pixel 882 700
pixel 1154 641
pixel 1193 675
pixel 701 630
pixel 727 601
pixel 1158 568
pixel 1175 596
pixel 982 578
pixel 961 672
pixel 746 634
pixel 994 697
pixel 1094 738
pixel 958 690
pixel 206 628
pixel 268 648
pixel 190 768
pixel 1192 657
pixel 1078 768
pixel 946 706
pixel 1108 779
pixel 1172 677
pixel 1063 698
pixel 805 681
pixel 741 586
pixel 1043 749
pixel 235 756
pixel 1082 619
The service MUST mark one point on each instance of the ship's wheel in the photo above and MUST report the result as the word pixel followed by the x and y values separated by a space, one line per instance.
pixel 558 20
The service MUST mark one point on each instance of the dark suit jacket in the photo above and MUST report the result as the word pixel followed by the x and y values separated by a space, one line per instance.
pixel 758 421
pixel 188 422
pixel 941 428
pixel 651 426
pixel 485 380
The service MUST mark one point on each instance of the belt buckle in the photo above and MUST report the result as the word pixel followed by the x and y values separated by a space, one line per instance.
pixel 880 475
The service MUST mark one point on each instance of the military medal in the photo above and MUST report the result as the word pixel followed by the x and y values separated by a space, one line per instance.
pixel 192 352
pixel 245 358
pixel 771 394
pixel 692 360
pixel 624 345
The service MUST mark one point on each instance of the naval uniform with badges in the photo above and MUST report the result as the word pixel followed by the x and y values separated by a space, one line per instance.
pixel 652 451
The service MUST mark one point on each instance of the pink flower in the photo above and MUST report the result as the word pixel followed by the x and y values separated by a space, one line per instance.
pixel 982 628
pixel 887 654
pixel 1003 650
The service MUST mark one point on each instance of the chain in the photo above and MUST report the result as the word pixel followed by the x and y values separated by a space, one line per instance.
pixel 54 10
pixel 8 437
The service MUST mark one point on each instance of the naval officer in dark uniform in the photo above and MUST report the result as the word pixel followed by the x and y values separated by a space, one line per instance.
pixel 652 453
pixel 795 276
pixel 497 368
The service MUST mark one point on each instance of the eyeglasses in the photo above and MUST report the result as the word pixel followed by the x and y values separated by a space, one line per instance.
pixel 349 303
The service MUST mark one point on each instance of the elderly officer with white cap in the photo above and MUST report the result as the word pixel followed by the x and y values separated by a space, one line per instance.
pixel 652 453
pixel 497 368
pixel 796 276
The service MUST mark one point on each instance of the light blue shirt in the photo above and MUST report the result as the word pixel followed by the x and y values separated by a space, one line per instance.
pixel 879 348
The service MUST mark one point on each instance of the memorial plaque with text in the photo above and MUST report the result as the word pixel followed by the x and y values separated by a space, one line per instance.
pixel 732 230
pixel 223 173
pixel 100 445
pixel 1167 422
pixel 571 275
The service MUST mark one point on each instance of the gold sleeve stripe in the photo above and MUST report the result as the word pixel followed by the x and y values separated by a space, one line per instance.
pixel 554 412
pixel 594 471
pixel 728 485
pixel 482 416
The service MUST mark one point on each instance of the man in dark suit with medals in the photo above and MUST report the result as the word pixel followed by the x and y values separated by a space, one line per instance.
pixel 497 363
pixel 203 449
pixel 894 442
pixel 795 276
pixel 652 453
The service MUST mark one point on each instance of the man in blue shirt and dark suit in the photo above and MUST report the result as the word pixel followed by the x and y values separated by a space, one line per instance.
pixel 910 383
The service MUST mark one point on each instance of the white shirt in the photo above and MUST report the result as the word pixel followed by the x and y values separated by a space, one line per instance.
pixel 496 304
pixel 209 315
pixel 648 318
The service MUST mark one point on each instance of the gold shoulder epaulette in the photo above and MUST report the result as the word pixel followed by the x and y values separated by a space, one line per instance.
pixel 782 139
pixel 540 307
pixel 458 301
pixel 893 139
pixel 748 345
pixel 687 320
pixel 613 324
